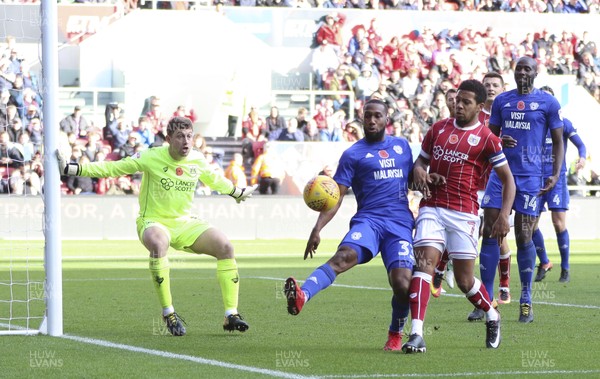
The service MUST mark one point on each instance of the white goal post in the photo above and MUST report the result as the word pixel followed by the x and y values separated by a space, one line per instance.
pixel 31 288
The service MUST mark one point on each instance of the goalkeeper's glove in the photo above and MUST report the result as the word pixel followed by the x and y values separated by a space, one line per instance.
pixel 71 169
pixel 241 194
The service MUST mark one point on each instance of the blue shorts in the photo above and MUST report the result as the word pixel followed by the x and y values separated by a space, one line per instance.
pixel 526 200
pixel 558 197
pixel 389 236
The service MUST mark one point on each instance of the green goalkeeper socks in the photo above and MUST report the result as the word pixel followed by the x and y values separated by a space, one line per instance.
pixel 229 280
pixel 159 268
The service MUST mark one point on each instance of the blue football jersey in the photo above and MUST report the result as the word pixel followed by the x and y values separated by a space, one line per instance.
pixel 568 132
pixel 526 118
pixel 378 175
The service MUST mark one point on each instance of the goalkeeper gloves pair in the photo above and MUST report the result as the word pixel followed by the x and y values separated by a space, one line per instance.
pixel 73 169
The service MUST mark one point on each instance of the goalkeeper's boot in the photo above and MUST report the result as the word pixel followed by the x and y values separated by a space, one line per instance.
pixel 526 313
pixel 492 333
pixel 476 315
pixel 175 324
pixel 542 271
pixel 565 277
pixel 436 284
pixel 504 295
pixel 235 322
pixel 394 341
pixel 415 344
pixel 294 295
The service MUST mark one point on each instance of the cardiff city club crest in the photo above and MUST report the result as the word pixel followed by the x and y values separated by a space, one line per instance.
pixel 398 149
pixel 533 106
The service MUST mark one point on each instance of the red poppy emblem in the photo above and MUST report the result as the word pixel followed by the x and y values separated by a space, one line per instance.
pixel 453 138
pixel 179 171
pixel 521 105
pixel 383 154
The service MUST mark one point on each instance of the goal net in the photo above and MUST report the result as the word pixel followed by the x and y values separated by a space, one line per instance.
pixel 30 249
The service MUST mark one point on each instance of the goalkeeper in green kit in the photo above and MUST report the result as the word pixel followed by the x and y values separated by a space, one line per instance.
pixel 170 175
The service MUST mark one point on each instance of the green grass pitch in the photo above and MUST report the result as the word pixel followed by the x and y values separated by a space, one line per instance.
pixel 114 329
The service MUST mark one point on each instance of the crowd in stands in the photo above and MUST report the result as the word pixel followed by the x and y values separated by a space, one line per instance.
pixel 537 6
pixel 412 73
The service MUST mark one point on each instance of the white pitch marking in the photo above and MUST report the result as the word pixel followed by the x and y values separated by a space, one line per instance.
pixel 183 357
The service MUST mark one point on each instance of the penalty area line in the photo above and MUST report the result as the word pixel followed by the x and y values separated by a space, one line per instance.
pixel 184 357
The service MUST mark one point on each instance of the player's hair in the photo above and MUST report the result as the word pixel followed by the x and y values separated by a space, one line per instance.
pixel 476 87
pixel 547 89
pixel 377 101
pixel 178 123
pixel 495 75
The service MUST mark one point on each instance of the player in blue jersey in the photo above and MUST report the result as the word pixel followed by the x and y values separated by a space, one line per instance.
pixel 376 168
pixel 527 115
pixel 558 203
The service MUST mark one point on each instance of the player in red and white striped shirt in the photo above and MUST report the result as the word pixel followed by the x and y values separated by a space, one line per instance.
pixel 455 151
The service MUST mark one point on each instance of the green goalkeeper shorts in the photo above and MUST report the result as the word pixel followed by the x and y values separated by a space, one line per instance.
pixel 182 232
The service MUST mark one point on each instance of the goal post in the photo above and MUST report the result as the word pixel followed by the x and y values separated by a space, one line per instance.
pixel 53 324
pixel 30 244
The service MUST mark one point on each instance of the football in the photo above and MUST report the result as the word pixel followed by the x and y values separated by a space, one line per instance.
pixel 321 193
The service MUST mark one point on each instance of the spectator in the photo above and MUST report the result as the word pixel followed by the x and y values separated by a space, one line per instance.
pixel 79 185
pixel 267 171
pixel 130 147
pixel 25 181
pixel 587 66
pixel 10 156
pixel 15 129
pixel 275 121
pixel 75 122
pixel 93 146
pixel 36 133
pixel 181 111
pixel 366 84
pixel 145 135
pixel 353 131
pixel 358 34
pixel 343 80
pixel 333 132
pixel 236 171
pixel 575 6
pixel 120 133
pixel 311 132
pixel 289 134
pixel 25 146
pixel 324 59
pixel 156 116
pixel 330 32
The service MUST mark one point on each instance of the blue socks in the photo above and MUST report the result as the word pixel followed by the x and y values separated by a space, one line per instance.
pixel 488 262
pixel 320 279
pixel 563 246
pixel 399 315
pixel 540 247
pixel 526 263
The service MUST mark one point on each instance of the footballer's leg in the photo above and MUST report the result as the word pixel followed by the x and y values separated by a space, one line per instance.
pixel 526 255
pixel 489 257
pixel 398 259
pixel 214 243
pixel 344 259
pixel 155 238
pixel 563 240
pixel 479 297
pixel 504 273
pixel 440 268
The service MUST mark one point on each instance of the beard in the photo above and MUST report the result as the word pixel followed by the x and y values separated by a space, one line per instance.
pixel 375 137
